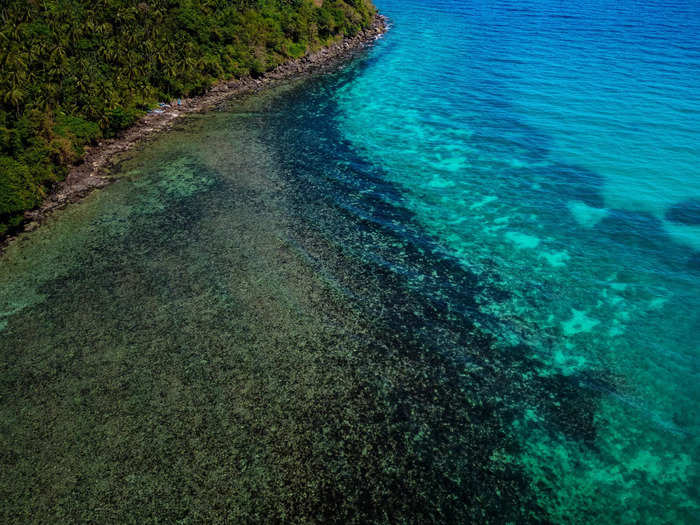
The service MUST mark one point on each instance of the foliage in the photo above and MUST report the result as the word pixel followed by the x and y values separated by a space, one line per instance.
pixel 73 71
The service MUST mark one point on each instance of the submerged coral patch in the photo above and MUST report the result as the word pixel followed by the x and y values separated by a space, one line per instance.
pixel 686 212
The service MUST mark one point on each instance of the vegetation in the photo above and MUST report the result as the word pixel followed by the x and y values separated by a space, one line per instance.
pixel 73 71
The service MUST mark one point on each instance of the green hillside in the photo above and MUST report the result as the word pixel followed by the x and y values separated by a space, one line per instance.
pixel 73 71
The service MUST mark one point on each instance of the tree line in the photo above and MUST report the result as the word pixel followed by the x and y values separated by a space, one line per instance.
pixel 74 71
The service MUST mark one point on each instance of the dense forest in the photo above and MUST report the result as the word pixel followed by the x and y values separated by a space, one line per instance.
pixel 73 71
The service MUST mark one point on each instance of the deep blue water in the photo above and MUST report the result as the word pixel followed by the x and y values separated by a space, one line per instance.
pixel 457 280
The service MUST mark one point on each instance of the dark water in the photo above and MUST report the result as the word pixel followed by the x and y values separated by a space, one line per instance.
pixel 367 297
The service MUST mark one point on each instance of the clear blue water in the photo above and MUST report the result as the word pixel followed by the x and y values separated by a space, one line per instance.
pixel 546 145
pixel 457 280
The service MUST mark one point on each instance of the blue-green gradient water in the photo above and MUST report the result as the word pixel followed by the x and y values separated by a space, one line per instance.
pixel 553 148
pixel 455 281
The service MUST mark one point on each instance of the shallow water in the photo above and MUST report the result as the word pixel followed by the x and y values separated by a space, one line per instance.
pixel 454 286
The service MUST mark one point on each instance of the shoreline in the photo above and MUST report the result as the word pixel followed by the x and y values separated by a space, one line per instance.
pixel 92 172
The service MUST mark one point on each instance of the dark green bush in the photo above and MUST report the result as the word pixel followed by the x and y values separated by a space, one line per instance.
pixel 120 118
pixel 76 128
pixel 17 191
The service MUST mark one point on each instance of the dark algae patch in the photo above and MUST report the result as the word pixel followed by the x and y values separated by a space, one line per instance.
pixel 686 212
pixel 227 334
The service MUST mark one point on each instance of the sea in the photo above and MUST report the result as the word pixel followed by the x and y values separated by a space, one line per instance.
pixel 454 280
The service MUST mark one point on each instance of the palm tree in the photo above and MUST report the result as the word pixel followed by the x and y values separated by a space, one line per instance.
pixel 15 97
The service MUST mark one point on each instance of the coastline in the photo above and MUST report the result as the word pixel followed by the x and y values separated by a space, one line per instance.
pixel 92 174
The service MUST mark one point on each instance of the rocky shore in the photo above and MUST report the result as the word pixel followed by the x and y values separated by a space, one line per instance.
pixel 92 172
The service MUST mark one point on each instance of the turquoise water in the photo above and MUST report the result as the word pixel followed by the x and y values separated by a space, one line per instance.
pixel 554 150
pixel 455 281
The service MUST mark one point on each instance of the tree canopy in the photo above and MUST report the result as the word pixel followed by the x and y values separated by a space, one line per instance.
pixel 73 71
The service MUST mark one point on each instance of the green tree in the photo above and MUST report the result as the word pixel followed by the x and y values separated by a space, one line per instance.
pixel 102 62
